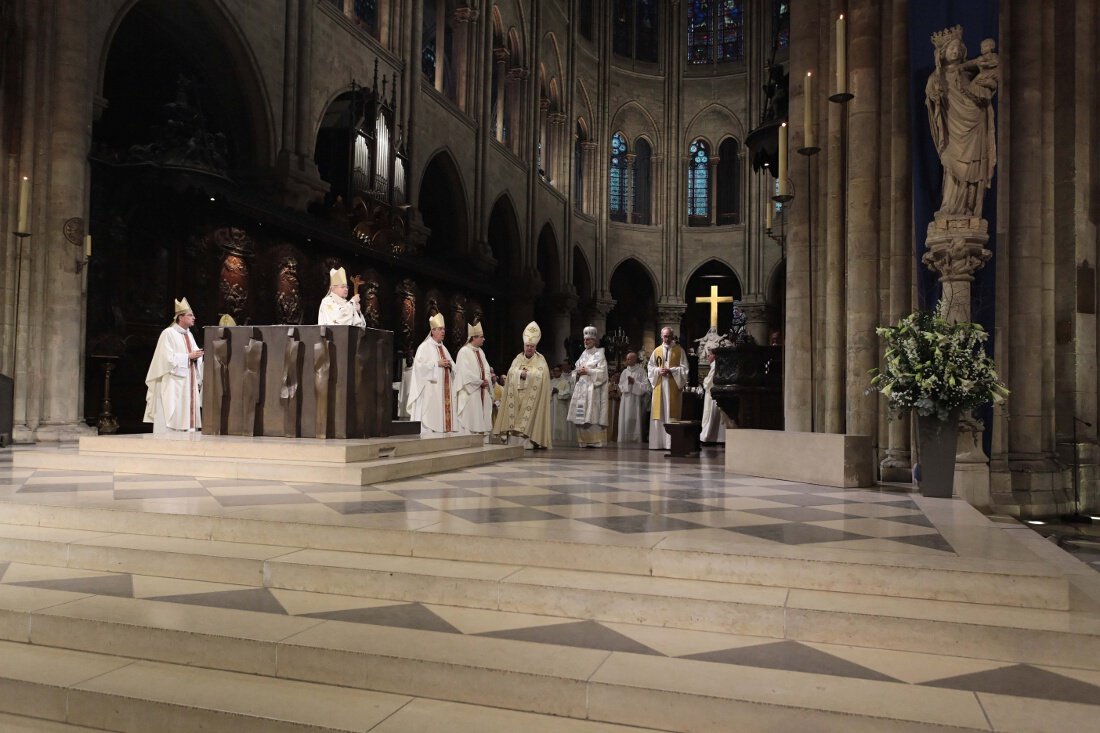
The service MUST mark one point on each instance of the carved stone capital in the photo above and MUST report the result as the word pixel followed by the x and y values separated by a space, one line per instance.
pixel 600 307
pixel 669 313
pixel 556 118
pixel 501 55
pixel 465 15
pixel 956 247
pixel 518 73
pixel 589 146
pixel 565 301
pixel 544 105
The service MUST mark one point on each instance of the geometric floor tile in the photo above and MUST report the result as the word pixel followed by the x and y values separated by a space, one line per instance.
pixel 583 634
pixel 381 506
pixel 917 520
pixel 666 506
pixel 931 541
pixel 809 498
pixel 1024 680
pixel 251 599
pixel 502 514
pixel 402 615
pixel 791 656
pixel 121 586
pixel 801 514
pixel 796 534
pixel 635 524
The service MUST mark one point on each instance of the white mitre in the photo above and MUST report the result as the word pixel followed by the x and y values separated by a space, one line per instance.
pixel 532 334
pixel 474 331
pixel 337 277
pixel 590 332
pixel 436 321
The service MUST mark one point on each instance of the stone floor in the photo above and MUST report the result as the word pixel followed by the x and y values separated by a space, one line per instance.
pixel 614 498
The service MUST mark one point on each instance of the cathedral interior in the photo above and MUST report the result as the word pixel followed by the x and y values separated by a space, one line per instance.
pixel 800 173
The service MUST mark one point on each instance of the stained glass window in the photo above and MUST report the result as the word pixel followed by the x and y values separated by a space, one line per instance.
pixel 698 180
pixel 731 30
pixel 781 23
pixel 622 23
pixel 619 182
pixel 635 29
pixel 716 31
pixel 366 15
pixel 645 34
pixel 584 19
pixel 728 185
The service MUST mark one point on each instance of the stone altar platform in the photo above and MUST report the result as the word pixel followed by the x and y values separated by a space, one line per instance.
pixel 827 459
pixel 348 462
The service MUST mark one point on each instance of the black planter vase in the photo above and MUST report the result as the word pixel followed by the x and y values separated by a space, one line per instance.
pixel 938 442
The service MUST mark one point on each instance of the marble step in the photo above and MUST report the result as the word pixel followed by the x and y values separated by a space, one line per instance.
pixel 197 445
pixel 358 473
pixel 340 676
pixel 989 631
pixel 1016 584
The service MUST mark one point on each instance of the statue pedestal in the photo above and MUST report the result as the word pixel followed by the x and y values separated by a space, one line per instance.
pixel 956 250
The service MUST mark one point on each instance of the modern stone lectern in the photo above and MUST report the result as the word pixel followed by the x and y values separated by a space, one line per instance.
pixel 299 382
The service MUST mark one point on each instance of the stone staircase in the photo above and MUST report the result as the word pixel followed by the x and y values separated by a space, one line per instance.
pixel 606 631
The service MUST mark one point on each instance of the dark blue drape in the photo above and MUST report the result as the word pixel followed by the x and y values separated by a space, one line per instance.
pixel 978 19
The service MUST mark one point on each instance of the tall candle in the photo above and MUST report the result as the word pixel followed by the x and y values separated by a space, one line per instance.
pixel 23 223
pixel 87 246
pixel 781 174
pixel 769 213
pixel 808 138
pixel 841 56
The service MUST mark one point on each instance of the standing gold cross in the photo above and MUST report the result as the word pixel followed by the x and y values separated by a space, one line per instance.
pixel 714 300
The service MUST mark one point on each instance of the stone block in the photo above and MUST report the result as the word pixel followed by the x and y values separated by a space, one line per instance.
pixel 826 459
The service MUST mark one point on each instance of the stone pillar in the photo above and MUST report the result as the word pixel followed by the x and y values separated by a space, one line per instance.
pixel 54 382
pixel 556 121
pixel 500 58
pixel 862 219
pixel 712 189
pixel 544 152
pixel 591 184
pixel 956 250
pixel 896 464
pixel 563 303
pixel 833 389
pixel 656 192
pixel 464 27
pixel 629 159
pixel 440 44
pixel 295 168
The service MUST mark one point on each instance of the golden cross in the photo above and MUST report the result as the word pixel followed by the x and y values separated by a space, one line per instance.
pixel 714 300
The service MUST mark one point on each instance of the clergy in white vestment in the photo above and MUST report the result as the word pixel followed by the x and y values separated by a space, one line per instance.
pixel 524 414
pixel 173 402
pixel 668 372
pixel 431 398
pixel 713 429
pixel 336 309
pixel 634 388
pixel 588 405
pixel 472 377
pixel 561 391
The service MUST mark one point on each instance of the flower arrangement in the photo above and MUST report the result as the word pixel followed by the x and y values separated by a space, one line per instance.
pixel 934 366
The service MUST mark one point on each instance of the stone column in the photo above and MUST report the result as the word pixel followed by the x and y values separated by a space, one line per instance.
pixel 712 189
pixel 591 184
pixel 897 463
pixel 556 121
pixel 862 219
pixel 628 205
pixel 656 192
pixel 295 168
pixel 464 27
pixel 500 58
pixel 55 381
pixel 440 44
pixel 833 389
pixel 544 152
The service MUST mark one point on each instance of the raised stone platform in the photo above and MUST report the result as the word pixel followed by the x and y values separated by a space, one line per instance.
pixel 826 459
pixel 351 462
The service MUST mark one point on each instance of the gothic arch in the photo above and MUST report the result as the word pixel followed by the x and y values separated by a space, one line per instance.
pixel 653 280
pixel 637 120
pixel 714 122
pixel 229 61
pixel 709 262
pixel 443 203
pixel 586 101
pixel 582 274
pixel 554 52
pixel 505 238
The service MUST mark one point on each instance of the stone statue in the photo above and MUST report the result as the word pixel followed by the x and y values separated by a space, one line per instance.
pixel 959 96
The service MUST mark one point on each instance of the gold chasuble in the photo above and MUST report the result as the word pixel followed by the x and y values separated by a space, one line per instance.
pixel 675 357
pixel 525 409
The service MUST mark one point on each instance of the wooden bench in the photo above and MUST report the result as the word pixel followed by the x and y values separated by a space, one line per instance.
pixel 685 437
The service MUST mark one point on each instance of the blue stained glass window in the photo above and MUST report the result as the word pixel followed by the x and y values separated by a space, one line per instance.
pixel 618 183
pixel 366 14
pixel 699 35
pixel 781 23
pixel 731 31
pixel 698 180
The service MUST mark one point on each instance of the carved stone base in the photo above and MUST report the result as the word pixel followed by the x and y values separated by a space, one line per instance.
pixel 896 467
pixel 956 247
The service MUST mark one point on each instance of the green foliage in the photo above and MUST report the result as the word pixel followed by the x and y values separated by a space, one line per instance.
pixel 933 366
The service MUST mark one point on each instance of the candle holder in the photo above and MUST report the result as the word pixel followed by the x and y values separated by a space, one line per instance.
pixel 783 198
pixel 618 340
pixel 812 150
pixel 841 97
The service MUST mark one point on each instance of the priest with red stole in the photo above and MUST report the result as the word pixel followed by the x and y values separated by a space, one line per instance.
pixel 173 402
pixel 432 398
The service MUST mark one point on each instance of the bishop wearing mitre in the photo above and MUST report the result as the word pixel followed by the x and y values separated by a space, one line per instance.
pixel 524 414
pixel 336 309
pixel 475 388
pixel 173 402
pixel 432 395
pixel 588 406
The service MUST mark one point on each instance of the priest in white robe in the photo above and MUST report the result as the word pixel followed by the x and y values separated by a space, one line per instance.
pixel 472 376
pixel 668 372
pixel 561 392
pixel 713 430
pixel 634 390
pixel 524 414
pixel 431 398
pixel 588 405
pixel 173 402
pixel 336 309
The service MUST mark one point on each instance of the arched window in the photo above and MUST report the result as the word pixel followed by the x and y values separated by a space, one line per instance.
pixel 437 58
pixel 728 184
pixel 642 177
pixel 716 31
pixel 619 179
pixel 364 13
pixel 781 23
pixel 635 29
pixel 584 18
pixel 698 184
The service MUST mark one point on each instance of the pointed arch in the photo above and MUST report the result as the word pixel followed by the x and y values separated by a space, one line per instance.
pixel 712 272
pixel 503 233
pixel 714 122
pixel 634 118
pixel 443 204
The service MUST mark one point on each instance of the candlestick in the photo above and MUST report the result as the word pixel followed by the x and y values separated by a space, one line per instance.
pixel 842 94
pixel 87 246
pixel 769 214
pixel 23 221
